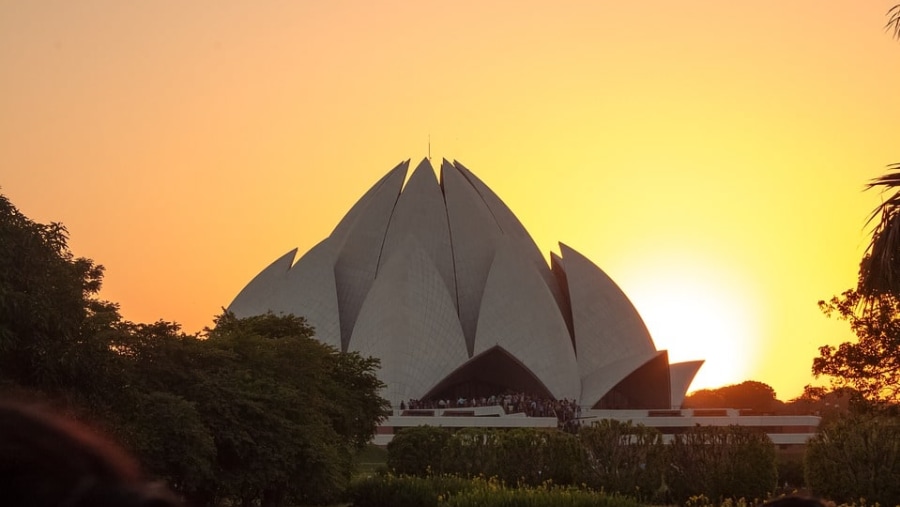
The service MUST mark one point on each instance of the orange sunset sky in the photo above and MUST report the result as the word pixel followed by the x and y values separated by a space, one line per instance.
pixel 710 156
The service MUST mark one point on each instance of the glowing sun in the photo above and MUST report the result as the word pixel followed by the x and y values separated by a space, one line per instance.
pixel 695 312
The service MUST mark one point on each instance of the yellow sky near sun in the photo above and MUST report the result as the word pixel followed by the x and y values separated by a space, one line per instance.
pixel 708 155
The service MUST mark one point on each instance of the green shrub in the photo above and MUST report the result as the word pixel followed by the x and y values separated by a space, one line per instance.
pixel 790 471
pixel 532 456
pixel 405 491
pixel 721 462
pixel 526 455
pixel 493 493
pixel 624 458
pixel 856 456
pixel 473 451
pixel 380 491
pixel 449 491
pixel 418 451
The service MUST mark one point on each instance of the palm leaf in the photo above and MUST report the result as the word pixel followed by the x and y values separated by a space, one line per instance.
pixel 879 272
pixel 893 23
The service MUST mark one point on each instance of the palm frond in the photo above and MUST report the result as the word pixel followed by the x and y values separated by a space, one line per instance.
pixel 879 271
pixel 888 181
pixel 893 23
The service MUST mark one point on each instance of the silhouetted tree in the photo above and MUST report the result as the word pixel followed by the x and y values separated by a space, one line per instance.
pixel 871 364
pixel 749 394
pixel 283 412
pixel 824 402
pixel 879 271
pixel 256 412
pixel 51 323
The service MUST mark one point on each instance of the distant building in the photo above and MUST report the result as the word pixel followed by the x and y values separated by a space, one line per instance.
pixel 788 432
pixel 443 284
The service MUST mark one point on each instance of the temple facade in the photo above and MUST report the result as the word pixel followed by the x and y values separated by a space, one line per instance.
pixel 441 282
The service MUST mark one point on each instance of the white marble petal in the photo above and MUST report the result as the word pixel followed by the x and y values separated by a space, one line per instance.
pixel 430 276
pixel 263 293
pixel 682 374
pixel 607 326
pixel 420 213
pixel 474 233
pixel 309 290
pixel 409 321
pixel 343 228
pixel 360 248
pixel 595 385
pixel 511 226
pixel 519 314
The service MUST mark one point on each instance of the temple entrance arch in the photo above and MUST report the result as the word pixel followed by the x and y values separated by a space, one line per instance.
pixel 493 372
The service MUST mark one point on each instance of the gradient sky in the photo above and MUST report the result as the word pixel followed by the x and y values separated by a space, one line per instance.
pixel 708 155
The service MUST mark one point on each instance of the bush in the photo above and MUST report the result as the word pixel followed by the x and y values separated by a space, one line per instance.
pixel 473 451
pixel 856 456
pixel 624 458
pixel 492 493
pixel 790 472
pixel 418 451
pixel 456 492
pixel 405 491
pixel 526 455
pixel 532 456
pixel 722 462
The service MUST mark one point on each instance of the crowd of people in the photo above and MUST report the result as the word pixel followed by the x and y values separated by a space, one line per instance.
pixel 566 411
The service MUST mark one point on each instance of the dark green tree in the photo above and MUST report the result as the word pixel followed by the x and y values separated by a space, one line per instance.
pixel 256 411
pixel 158 415
pixel 286 412
pixel 870 366
pixel 856 456
pixel 52 325
pixel 172 441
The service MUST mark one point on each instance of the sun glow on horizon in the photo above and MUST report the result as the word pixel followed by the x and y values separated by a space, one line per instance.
pixel 694 313
pixel 714 173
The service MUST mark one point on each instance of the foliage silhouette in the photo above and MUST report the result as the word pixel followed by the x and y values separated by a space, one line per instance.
pixel 856 456
pixel 254 411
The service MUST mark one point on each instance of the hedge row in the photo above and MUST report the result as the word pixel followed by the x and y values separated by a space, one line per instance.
pixel 611 456
pixel 451 491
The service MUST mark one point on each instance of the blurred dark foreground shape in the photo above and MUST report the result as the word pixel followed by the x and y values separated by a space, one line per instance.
pixel 50 461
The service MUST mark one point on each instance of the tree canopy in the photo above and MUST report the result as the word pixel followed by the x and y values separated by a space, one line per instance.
pixel 255 410
pixel 870 365
pixel 50 319
pixel 749 394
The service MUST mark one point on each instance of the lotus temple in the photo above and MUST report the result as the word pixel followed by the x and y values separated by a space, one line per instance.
pixel 441 282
